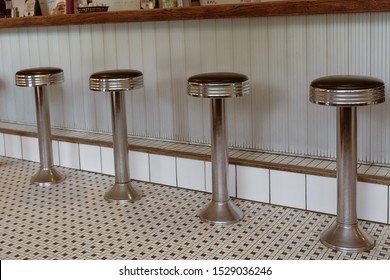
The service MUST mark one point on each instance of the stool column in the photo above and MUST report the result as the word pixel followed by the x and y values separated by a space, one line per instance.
pixel 219 152
pixel 119 131
pixel 121 191
pixel 47 173
pixel 44 129
pixel 346 165
pixel 221 210
pixel 345 234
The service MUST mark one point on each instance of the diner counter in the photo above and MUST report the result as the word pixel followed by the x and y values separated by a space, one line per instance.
pixel 244 10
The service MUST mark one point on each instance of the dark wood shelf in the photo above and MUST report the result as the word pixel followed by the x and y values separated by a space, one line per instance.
pixel 245 10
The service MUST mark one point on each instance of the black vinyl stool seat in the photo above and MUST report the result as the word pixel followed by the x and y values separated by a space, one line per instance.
pixel 347 93
pixel 40 78
pixel 218 86
pixel 117 82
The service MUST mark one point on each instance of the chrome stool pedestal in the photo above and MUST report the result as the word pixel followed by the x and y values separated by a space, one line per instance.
pixel 117 82
pixel 39 78
pixel 218 86
pixel 347 93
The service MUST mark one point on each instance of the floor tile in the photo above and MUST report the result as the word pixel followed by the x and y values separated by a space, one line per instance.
pixel 71 220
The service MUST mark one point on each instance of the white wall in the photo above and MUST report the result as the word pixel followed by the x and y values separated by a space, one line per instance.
pixel 281 55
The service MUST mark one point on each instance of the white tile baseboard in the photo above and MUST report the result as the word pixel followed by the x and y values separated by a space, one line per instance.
pixel 90 158
pixel 2 145
pixel 13 146
pixel 321 194
pixel 288 189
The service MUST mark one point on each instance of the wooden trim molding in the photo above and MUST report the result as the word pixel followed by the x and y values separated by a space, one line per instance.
pixel 244 10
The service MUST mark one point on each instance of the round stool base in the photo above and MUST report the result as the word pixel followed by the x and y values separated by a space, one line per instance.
pixel 47 176
pixel 221 213
pixel 347 238
pixel 122 193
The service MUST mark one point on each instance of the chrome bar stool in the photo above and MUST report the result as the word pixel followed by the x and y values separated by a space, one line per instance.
pixel 218 86
pixel 347 93
pixel 117 82
pixel 40 78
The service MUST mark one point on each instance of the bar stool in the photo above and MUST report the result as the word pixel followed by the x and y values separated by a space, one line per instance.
pixel 218 86
pixel 39 78
pixel 346 93
pixel 117 82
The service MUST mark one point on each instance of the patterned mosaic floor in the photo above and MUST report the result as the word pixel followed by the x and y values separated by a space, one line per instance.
pixel 72 221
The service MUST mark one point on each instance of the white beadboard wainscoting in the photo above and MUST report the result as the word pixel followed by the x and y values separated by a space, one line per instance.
pixel 296 190
pixel 281 56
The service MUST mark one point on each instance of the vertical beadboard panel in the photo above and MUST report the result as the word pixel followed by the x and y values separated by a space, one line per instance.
pixel 338 47
pixel 3 82
pixel 33 60
pixel 149 45
pixel 359 44
pixel 43 46
pixel 49 56
pixel 122 54
pixel 21 45
pixel 122 61
pixel 224 48
pixel 242 64
pixel 298 87
pixel 359 64
pixel 380 68
pixel 110 53
pixel 337 62
pixel 97 36
pixel 102 100
pixel 57 91
pixel 317 129
pixel 196 106
pixel 65 64
pixel 337 44
pixel 178 79
pixel 76 84
pixel 5 100
pixel 138 98
pixel 25 96
pixel 37 53
pixel 259 84
pixel 110 61
pixel 277 46
pixel 209 51
pixel 33 52
pixel 164 81
pixel 8 64
pixel 86 64
pixel 224 45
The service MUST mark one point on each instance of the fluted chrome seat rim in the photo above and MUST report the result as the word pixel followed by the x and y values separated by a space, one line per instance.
pixel 218 90
pixel 359 97
pixel 34 80
pixel 116 84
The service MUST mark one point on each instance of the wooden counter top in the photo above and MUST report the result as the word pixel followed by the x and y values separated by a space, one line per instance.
pixel 262 9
